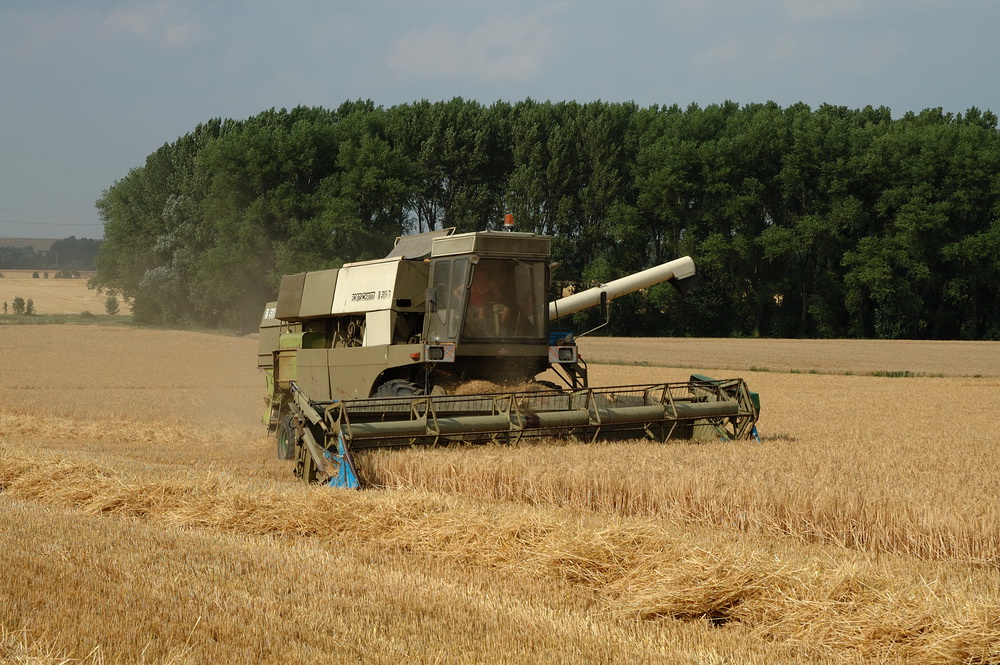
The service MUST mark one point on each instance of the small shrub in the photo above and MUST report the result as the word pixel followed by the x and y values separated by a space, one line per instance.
pixel 111 305
pixel 19 305
pixel 86 314
pixel 46 274
pixel 4 306
pixel 29 307
pixel 35 274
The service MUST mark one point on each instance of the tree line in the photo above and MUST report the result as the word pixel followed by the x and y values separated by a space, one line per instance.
pixel 70 253
pixel 826 222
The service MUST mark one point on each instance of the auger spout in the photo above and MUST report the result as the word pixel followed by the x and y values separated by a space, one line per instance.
pixel 680 272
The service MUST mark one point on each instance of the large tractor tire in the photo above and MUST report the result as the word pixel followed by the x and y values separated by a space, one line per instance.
pixel 286 439
pixel 399 388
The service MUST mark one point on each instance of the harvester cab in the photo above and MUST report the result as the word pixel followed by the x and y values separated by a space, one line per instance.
pixel 444 340
pixel 486 309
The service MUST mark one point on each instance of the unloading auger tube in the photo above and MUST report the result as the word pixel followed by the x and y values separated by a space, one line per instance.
pixel 371 356
pixel 680 272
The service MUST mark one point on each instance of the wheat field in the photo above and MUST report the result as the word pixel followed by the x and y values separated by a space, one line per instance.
pixel 145 519
pixel 51 295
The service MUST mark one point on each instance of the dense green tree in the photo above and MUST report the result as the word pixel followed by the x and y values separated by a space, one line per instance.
pixel 803 222
pixel 460 150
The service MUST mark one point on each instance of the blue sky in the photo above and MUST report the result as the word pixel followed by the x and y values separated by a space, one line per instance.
pixel 90 89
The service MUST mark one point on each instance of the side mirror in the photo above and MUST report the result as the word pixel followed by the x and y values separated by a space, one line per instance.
pixel 604 314
pixel 550 271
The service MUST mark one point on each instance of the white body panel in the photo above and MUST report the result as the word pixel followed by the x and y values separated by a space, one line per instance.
pixel 378 328
pixel 365 287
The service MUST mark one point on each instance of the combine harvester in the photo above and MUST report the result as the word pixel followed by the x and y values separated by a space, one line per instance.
pixel 379 354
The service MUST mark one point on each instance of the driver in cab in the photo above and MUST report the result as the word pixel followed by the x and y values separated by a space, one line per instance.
pixel 489 315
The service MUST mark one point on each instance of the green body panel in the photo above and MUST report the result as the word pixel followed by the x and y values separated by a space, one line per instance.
pixel 314 372
pixel 354 371
pixel 341 373
pixel 302 340
pixel 493 243
pixel 290 296
pixel 317 294
pixel 285 369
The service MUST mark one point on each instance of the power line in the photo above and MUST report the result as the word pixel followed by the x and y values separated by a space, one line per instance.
pixel 24 223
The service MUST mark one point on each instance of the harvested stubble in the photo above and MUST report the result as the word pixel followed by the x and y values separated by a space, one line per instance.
pixel 639 479
pixel 863 527
pixel 108 373
pixel 876 465
pixel 633 568
pixel 192 595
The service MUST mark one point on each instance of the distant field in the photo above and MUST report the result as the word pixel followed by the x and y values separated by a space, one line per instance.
pixel 848 356
pixel 154 524
pixel 37 244
pixel 53 296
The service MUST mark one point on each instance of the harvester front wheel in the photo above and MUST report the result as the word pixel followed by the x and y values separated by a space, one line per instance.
pixel 286 439
pixel 398 388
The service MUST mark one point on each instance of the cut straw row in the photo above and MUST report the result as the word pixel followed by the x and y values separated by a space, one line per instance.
pixel 633 567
